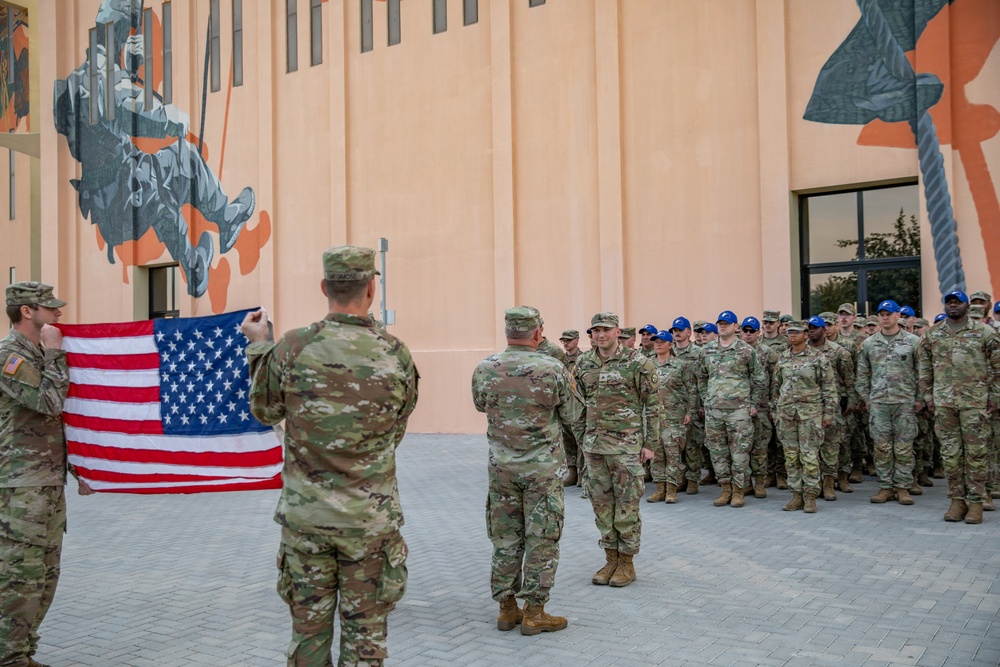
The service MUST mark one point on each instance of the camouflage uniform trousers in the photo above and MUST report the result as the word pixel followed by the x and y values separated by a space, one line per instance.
pixel 692 454
pixel 829 452
pixel 775 452
pixel 524 520
pixel 800 431
pixel 667 466
pixel 32 523
pixel 862 447
pixel 923 445
pixel 993 476
pixel 729 435
pixel 370 575
pixel 893 428
pixel 615 486
pixel 763 432
pixel 845 458
pixel 571 449
pixel 965 446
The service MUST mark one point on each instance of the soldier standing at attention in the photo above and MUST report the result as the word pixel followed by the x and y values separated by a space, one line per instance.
pixel 623 412
pixel 627 337
pixel 345 389
pixel 646 340
pixel 548 347
pixel 678 394
pixel 691 355
pixel 734 382
pixel 762 426
pixel 887 385
pixel 771 337
pixel 959 376
pixel 570 340
pixel 528 399
pixel 804 401
pixel 33 386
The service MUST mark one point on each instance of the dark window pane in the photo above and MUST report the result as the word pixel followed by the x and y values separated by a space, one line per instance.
pixel 900 285
pixel 237 43
pixel 393 11
pixel 367 34
pixel 828 290
pixel 215 45
pixel 163 291
pixel 440 16
pixel 535 3
pixel 147 59
pixel 890 221
pixel 829 220
pixel 316 32
pixel 168 50
pixel 470 11
pixel 291 36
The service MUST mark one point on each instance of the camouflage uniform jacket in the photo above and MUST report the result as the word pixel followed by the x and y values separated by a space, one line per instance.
pixel 779 343
pixel 554 351
pixel 571 358
pixel 622 400
pixel 960 368
pixel 527 397
pixel 678 388
pixel 649 354
pixel 851 343
pixel 33 386
pixel 768 356
pixel 804 379
pixel 733 377
pixel 843 371
pixel 345 389
pixel 887 369
pixel 692 356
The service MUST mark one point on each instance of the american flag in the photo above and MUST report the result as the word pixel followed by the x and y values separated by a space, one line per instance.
pixel 162 406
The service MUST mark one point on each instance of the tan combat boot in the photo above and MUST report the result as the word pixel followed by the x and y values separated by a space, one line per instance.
pixel 709 478
pixel 659 494
pixel 624 573
pixel 782 482
pixel 510 615
pixel 671 494
pixel 938 472
pixel 603 576
pixel 809 501
pixel 975 513
pixel 536 620
pixel 737 498
pixel 571 477
pixel 828 493
pixel 923 479
pixel 768 481
pixel 725 496
pixel 856 475
pixel 883 495
pixel 915 489
pixel 903 496
pixel 759 487
pixel 957 511
pixel 795 503
pixel 844 483
pixel 692 487
pixel 988 505
pixel 34 663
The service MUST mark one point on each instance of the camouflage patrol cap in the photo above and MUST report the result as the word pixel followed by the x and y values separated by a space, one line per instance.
pixel 797 325
pixel 828 317
pixel 858 324
pixel 921 322
pixel 538 313
pixel 785 318
pixel 628 332
pixel 569 334
pixel 847 308
pixel 871 319
pixel 977 312
pixel 699 324
pixel 604 319
pixel 521 318
pixel 32 294
pixel 349 262
pixel 771 316
pixel 985 297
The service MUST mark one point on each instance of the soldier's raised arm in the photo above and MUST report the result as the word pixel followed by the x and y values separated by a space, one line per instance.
pixel 649 398
pixel 925 372
pixel 863 380
pixel 758 382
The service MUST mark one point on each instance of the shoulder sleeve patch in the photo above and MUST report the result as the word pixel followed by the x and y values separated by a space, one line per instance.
pixel 18 368
pixel 13 363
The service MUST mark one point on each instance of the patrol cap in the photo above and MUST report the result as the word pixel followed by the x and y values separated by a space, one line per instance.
pixel 663 335
pixel 888 306
pixel 349 262
pixel 958 294
pixel 816 321
pixel 521 318
pixel 727 316
pixel 921 322
pixel 907 311
pixel 649 328
pixel 570 334
pixel 771 315
pixel 847 308
pixel 981 296
pixel 751 322
pixel 699 325
pixel 829 317
pixel 538 313
pixel 785 318
pixel 977 312
pixel 871 319
pixel 710 328
pixel 858 324
pixel 797 325
pixel 682 323
pixel 939 317
pixel 29 293
pixel 605 319
pixel 627 332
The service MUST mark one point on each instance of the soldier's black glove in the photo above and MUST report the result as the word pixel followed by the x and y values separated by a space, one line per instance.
pixel 843 403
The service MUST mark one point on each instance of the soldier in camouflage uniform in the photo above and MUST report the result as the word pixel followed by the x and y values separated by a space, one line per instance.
pixel 678 393
pixel 804 402
pixel 550 348
pixel 623 412
pixel 887 385
pixel 570 340
pixel 33 386
pixel 627 337
pixel 734 382
pixel 845 457
pixel 762 425
pixel 646 340
pixel 850 334
pixel 691 355
pixel 529 399
pixel 959 376
pixel 835 436
pixel 777 342
pixel 923 444
pixel 345 390
pixel 769 323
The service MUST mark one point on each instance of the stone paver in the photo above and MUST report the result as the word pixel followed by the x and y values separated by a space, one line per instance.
pixel 157 581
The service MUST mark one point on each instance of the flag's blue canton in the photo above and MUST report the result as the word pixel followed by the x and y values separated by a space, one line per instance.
pixel 204 376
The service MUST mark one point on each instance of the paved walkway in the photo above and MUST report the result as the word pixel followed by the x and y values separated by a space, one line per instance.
pixel 161 581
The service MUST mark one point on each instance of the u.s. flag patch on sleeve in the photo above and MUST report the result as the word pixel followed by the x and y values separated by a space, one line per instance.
pixel 13 363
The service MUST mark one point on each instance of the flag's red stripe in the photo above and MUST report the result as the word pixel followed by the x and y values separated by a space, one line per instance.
pixel 122 477
pixel 116 394
pixel 117 330
pixel 148 427
pixel 273 483
pixel 114 362
pixel 222 460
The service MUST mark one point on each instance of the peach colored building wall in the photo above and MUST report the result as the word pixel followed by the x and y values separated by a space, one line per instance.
pixel 641 156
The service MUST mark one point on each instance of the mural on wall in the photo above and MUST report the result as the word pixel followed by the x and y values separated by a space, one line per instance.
pixel 870 80
pixel 143 181
pixel 14 102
